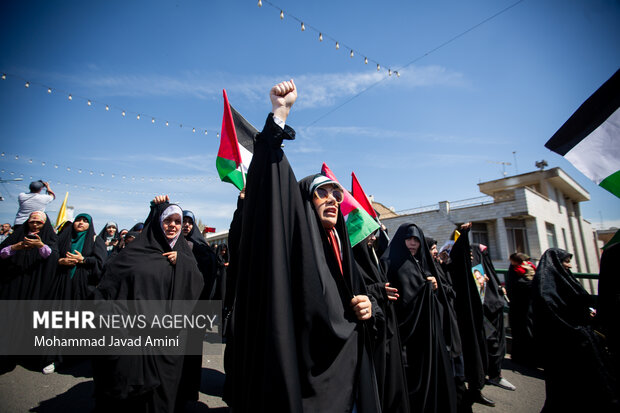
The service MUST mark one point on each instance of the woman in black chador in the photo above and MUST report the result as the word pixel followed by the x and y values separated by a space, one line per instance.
pixel 221 256
pixel 156 266
pixel 493 308
pixel 301 307
pixel 577 369
pixel 28 260
pixel 387 354
pixel 410 269
pixel 82 255
pixel 27 269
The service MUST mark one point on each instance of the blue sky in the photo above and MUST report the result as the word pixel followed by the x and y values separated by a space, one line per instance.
pixel 428 136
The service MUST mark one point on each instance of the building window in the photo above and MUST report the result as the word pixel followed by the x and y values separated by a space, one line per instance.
pixel 565 239
pixel 517 236
pixel 479 233
pixel 552 240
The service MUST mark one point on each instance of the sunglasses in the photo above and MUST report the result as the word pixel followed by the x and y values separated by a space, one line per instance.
pixel 322 193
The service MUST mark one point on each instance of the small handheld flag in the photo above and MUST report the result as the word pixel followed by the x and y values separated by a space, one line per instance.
pixel 236 146
pixel 62 213
pixel 359 223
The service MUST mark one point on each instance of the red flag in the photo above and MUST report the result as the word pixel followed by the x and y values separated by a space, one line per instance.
pixel 208 229
pixel 229 146
pixel 359 194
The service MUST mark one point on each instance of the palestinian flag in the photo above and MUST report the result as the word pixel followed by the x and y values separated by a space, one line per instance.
pixel 590 138
pixel 236 146
pixel 359 223
pixel 359 194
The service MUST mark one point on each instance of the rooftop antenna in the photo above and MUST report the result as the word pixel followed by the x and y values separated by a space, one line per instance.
pixel 514 155
pixel 541 164
pixel 503 164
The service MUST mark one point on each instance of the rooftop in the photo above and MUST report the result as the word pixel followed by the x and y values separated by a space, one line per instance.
pixel 555 176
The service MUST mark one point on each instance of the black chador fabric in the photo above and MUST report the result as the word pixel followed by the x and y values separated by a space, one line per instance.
pixel 493 307
pixel 221 262
pixel 577 369
pixel 80 283
pixel 382 242
pixel 609 301
pixel 234 239
pixel 26 275
pixel 418 309
pixel 521 318
pixel 449 320
pixel 205 258
pixel 387 355
pixel 140 272
pixel 298 345
pixel 469 312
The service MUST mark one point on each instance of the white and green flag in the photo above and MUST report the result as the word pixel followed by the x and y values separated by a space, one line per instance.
pixel 590 138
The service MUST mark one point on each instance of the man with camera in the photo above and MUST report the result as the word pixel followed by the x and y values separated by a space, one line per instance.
pixel 33 201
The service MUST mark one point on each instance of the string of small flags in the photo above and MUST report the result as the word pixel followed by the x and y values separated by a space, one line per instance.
pixel 322 36
pixel 124 177
pixel 108 108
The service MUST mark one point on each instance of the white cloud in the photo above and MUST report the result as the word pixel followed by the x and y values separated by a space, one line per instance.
pixel 319 90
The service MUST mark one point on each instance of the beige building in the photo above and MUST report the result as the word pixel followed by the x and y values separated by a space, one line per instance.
pixel 524 213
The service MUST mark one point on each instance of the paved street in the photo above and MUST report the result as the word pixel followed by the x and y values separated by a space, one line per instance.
pixel 70 390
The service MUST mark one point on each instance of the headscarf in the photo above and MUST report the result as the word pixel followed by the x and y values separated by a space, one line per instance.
pixel 103 234
pixel 171 210
pixel 38 216
pixel 78 238
pixel 559 291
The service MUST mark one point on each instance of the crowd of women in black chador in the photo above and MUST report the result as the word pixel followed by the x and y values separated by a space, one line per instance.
pixel 313 324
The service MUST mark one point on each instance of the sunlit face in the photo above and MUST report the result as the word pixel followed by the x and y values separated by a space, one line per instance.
pixel 35 226
pixel 81 224
pixel 172 225
pixel 111 230
pixel 188 225
pixel 327 208
pixel 434 251
pixel 6 228
pixel 566 264
pixel 412 244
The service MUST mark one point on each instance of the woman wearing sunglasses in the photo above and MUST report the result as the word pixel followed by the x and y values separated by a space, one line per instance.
pixel 302 315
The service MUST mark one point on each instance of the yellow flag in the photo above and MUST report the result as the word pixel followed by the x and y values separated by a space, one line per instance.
pixel 456 235
pixel 62 213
